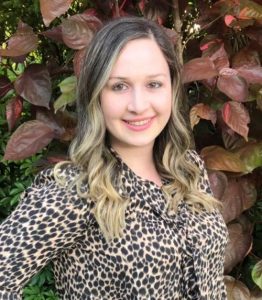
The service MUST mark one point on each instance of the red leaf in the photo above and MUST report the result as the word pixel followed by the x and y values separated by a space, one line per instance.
pixel 247 56
pixel 239 245
pixel 51 9
pixel 236 117
pixel 202 111
pixel 78 61
pixel 54 34
pixel 5 86
pixel 218 182
pixel 217 158
pixel 49 118
pixel 172 34
pixel 13 111
pixel 229 19
pixel 252 74
pixel 28 139
pixel 255 34
pixel 22 42
pixel 232 85
pixel 34 85
pixel 239 195
pixel 198 69
pixel 78 30
pixel 156 11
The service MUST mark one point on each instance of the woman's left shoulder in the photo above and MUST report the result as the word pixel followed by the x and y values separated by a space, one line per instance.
pixel 192 155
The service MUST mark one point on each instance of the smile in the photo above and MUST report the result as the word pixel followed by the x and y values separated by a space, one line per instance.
pixel 139 123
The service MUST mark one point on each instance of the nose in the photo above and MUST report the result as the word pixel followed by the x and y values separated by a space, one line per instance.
pixel 138 101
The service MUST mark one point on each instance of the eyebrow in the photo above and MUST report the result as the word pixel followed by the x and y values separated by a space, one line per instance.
pixel 149 76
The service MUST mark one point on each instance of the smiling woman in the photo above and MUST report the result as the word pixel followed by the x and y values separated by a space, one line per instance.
pixel 131 215
pixel 136 101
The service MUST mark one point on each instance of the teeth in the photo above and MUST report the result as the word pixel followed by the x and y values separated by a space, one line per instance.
pixel 138 123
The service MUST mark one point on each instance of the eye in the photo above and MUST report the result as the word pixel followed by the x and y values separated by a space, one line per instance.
pixel 120 86
pixel 155 84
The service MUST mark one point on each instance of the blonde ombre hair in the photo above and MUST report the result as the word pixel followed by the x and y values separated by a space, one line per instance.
pixel 90 150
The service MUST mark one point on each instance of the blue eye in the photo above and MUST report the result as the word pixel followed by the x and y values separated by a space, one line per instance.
pixel 155 84
pixel 119 87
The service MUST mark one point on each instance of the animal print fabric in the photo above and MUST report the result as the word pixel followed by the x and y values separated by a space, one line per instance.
pixel 161 256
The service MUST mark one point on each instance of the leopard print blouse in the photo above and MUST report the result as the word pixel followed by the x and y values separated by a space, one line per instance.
pixel 160 256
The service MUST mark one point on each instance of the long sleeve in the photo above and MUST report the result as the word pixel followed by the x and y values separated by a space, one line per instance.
pixel 48 220
pixel 206 241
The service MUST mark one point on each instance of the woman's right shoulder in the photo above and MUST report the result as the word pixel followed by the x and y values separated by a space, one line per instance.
pixel 56 185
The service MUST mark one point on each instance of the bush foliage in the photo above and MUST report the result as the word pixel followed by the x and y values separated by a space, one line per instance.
pixel 218 43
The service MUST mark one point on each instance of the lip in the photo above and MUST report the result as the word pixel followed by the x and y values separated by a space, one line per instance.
pixel 141 127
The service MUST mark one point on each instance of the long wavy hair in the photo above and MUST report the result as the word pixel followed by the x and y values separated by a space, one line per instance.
pixel 90 150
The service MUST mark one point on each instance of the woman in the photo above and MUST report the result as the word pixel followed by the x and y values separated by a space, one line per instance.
pixel 131 216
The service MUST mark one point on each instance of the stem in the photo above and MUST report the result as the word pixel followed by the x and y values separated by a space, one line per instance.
pixel 123 4
pixel 117 8
pixel 178 25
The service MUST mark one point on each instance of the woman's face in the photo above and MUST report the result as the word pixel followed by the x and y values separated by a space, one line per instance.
pixel 136 101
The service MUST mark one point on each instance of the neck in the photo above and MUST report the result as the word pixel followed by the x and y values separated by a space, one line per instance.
pixel 140 161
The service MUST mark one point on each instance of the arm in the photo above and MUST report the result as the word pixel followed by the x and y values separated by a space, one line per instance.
pixel 48 220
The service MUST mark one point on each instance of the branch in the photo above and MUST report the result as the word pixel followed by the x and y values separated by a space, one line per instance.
pixel 117 8
pixel 178 25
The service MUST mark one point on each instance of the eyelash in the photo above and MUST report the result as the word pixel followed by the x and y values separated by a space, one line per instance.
pixel 122 86
pixel 119 87
pixel 155 84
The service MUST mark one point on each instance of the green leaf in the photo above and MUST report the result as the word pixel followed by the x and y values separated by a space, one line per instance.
pixel 257 274
pixel 250 9
pixel 68 85
pixel 251 155
pixel 68 96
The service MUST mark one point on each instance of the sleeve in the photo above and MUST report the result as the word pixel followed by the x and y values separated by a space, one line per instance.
pixel 206 240
pixel 204 262
pixel 49 219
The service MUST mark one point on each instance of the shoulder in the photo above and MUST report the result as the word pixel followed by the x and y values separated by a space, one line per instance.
pixel 47 191
pixel 195 158
pixel 207 229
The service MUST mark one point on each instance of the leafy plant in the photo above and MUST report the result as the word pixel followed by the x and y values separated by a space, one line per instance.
pixel 219 45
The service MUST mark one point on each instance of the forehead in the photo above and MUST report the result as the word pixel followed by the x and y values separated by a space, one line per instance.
pixel 141 55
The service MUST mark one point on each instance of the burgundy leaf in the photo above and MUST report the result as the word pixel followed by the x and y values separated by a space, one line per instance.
pixel 28 139
pixel 232 85
pixel 34 85
pixel 157 11
pixel 246 57
pixel 5 86
pixel 198 69
pixel 239 195
pixel 236 117
pixel 49 118
pixel 78 30
pixel 68 121
pixel 202 111
pixel 51 9
pixel 218 182
pixel 252 74
pixel 255 34
pixel 236 289
pixel 239 245
pixel 21 43
pixel 217 54
pixel 54 34
pixel 78 61
pixel 13 111
pixel 172 34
